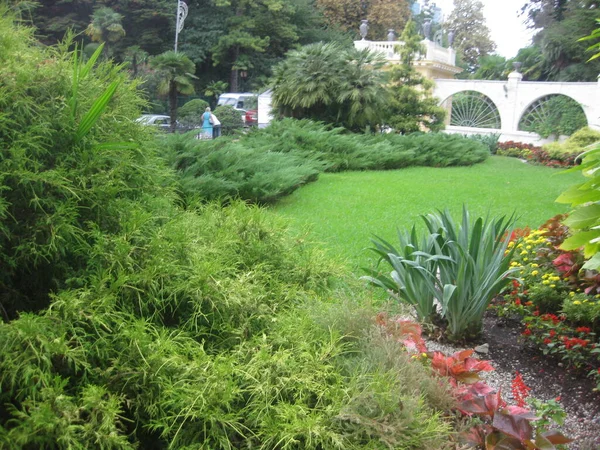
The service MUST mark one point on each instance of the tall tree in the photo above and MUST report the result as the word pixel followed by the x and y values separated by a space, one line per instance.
pixel 560 24
pixel 471 35
pixel 177 73
pixel 381 14
pixel 412 106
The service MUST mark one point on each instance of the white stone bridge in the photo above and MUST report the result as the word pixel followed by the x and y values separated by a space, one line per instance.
pixel 513 98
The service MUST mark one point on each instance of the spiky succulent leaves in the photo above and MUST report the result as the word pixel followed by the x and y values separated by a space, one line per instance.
pixel 413 279
pixel 477 266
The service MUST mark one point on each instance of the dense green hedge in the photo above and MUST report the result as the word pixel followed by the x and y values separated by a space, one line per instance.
pixel 267 164
pixel 128 322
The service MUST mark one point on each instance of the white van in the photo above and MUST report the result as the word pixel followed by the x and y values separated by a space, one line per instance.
pixel 238 100
pixel 246 103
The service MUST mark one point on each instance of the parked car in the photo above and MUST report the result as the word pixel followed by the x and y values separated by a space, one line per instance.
pixel 246 103
pixel 163 122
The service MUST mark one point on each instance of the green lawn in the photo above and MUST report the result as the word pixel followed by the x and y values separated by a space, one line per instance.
pixel 344 210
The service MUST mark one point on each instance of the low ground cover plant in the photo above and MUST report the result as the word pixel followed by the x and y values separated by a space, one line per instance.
pixel 267 164
pixel 460 266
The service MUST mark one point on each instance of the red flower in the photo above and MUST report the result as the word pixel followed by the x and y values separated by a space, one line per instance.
pixel 527 332
pixel 583 330
pixel 520 390
pixel 557 398
pixel 515 283
pixel 552 333
pixel 536 312
pixel 550 317
pixel 547 341
pixel 518 302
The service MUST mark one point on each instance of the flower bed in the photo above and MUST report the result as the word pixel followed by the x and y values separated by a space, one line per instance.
pixel 490 421
pixel 536 155
pixel 558 301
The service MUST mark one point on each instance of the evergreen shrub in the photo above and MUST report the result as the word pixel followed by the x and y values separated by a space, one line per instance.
pixel 266 164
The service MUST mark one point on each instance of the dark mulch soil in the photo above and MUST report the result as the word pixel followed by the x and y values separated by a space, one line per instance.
pixel 548 378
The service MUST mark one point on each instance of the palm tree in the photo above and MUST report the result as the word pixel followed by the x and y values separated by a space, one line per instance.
pixel 177 73
pixel 215 88
pixel 106 28
pixel 328 83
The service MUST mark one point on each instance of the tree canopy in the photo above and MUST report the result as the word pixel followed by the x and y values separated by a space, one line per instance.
pixel 471 35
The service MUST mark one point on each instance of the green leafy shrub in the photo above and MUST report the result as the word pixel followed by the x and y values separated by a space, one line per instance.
pixel 546 298
pixel 573 145
pixel 230 118
pixel 62 179
pixel 489 140
pixel 191 112
pixel 583 310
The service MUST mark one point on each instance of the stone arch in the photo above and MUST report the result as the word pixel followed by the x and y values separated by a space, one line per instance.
pixel 545 105
pixel 472 108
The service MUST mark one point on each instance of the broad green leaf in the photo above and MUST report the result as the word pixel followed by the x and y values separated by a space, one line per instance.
pixel 593 263
pixel 579 240
pixel 576 196
pixel 583 217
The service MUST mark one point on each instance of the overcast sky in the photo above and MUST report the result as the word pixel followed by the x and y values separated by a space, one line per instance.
pixel 506 26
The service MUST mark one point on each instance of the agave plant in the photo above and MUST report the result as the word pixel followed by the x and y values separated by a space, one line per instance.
pixel 459 266
pixel 477 265
pixel 413 279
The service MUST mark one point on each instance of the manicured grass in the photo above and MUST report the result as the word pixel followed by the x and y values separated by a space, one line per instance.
pixel 345 210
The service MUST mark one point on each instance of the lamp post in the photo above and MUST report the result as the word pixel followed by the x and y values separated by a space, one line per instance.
pixel 182 12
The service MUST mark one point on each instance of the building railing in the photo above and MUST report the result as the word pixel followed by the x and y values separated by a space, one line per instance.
pixel 433 52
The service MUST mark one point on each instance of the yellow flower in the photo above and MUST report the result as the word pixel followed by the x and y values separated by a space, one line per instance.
pixel 571 294
pixel 552 286
pixel 514 263
pixel 424 355
pixel 520 246
pixel 554 278
pixel 535 265
pixel 525 259
pixel 511 244
pixel 524 252
pixel 528 247
pixel 534 273
pixel 577 302
pixel 545 282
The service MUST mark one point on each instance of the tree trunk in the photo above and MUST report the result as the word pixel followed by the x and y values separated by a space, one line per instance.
pixel 233 79
pixel 173 104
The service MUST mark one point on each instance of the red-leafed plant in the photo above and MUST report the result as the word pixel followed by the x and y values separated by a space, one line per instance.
pixel 460 366
pixel 506 427
pixel 407 332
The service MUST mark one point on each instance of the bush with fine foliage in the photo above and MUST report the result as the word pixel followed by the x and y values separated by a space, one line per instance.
pixel 266 164
pixel 191 112
pixel 230 118
pixel 128 322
